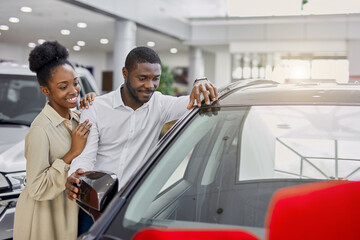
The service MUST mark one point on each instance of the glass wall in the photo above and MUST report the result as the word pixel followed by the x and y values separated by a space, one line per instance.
pixel 285 69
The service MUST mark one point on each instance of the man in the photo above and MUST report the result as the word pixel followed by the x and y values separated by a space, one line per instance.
pixel 126 122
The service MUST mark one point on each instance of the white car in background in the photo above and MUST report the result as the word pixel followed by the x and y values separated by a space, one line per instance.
pixel 20 102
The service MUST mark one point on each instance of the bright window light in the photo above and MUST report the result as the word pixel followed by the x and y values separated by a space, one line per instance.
pixel 262 73
pixel 26 9
pixel 296 69
pixel 247 72
pixel 268 72
pixel 255 72
pixel 336 69
pixel 237 73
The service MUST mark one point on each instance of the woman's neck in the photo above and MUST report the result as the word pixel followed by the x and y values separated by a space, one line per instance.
pixel 63 112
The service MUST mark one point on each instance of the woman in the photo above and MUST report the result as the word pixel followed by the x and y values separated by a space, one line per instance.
pixel 55 138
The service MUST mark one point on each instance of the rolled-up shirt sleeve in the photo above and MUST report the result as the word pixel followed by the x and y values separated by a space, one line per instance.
pixel 86 160
pixel 44 181
pixel 173 107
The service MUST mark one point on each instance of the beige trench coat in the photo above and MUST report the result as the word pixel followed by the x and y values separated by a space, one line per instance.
pixel 43 210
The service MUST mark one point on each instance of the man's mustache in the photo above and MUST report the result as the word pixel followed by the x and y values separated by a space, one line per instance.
pixel 147 91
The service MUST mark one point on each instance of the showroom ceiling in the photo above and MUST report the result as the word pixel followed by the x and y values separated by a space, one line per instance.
pixel 191 9
pixel 49 17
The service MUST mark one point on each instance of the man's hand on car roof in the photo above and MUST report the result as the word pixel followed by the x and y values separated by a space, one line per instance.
pixel 202 86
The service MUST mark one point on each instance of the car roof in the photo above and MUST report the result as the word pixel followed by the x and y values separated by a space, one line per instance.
pixel 15 69
pixel 263 92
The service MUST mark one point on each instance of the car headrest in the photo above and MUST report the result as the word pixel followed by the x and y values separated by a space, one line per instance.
pixel 198 234
pixel 324 210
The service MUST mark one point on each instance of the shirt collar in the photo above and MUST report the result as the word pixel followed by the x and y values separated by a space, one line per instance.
pixel 55 118
pixel 75 115
pixel 117 100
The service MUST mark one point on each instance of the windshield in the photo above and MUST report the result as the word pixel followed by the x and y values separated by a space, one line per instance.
pixel 223 168
pixel 20 99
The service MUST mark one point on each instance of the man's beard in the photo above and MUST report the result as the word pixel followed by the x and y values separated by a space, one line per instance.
pixel 133 92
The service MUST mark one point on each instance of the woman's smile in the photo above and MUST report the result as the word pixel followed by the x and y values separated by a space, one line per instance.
pixel 72 100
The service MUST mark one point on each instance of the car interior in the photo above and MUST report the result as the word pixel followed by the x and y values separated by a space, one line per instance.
pixel 310 211
pixel 217 177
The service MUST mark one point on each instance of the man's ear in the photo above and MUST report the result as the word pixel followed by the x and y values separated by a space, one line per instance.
pixel 45 90
pixel 125 73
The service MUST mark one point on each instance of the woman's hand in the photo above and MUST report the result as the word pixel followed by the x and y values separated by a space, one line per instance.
pixel 78 142
pixel 87 100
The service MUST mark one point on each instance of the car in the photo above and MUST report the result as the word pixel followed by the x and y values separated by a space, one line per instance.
pixel 20 102
pixel 219 165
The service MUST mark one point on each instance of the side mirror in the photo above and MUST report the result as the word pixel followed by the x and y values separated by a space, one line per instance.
pixel 96 191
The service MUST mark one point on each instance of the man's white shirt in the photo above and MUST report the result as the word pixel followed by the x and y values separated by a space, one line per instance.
pixel 120 138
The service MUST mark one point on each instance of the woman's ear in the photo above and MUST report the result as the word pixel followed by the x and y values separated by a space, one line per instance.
pixel 45 90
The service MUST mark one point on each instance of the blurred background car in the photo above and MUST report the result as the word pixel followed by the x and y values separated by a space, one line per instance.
pixel 219 166
pixel 20 102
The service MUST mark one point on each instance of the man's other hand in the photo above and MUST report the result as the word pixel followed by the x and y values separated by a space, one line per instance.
pixel 87 100
pixel 203 87
pixel 71 188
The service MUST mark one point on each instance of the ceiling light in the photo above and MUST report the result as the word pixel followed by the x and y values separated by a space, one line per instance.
pixel 173 50
pixel 151 44
pixel 26 9
pixel 31 45
pixel 14 20
pixel 41 41
pixel 76 48
pixel 65 32
pixel 81 25
pixel 104 41
pixel 81 43
pixel 4 27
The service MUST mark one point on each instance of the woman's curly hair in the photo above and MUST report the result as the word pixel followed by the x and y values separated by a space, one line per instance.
pixel 43 59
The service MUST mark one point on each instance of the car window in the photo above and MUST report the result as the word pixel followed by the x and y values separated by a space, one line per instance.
pixel 20 98
pixel 301 142
pixel 178 173
pixel 85 85
pixel 223 168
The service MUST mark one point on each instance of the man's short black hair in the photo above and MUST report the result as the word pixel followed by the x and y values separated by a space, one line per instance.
pixel 141 55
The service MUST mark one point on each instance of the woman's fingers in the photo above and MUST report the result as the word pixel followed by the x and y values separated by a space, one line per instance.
pixel 83 127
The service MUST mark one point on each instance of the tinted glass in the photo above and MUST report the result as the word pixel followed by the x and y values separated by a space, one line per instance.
pixel 20 98
pixel 85 85
pixel 223 169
